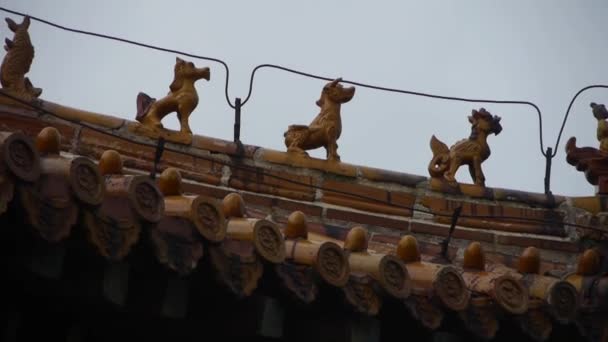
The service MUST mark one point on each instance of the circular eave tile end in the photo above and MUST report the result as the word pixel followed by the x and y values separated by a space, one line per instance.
pixel 146 199
pixel 563 299
pixel 22 157
pixel 268 241
pixel 209 219
pixel 394 276
pixel 451 289
pixel 86 181
pixel 511 295
pixel 332 264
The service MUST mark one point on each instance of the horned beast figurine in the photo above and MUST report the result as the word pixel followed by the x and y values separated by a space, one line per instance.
pixel 182 98
pixel 17 62
pixel 472 151
pixel 326 128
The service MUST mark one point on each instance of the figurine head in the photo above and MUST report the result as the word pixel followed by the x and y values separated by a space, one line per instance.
pixel 187 71
pixel 25 24
pixel 483 120
pixel 336 93
pixel 599 111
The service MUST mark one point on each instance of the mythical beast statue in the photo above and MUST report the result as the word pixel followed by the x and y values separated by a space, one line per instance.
pixel 17 62
pixel 472 151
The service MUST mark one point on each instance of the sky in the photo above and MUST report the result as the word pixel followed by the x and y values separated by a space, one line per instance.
pixel 538 51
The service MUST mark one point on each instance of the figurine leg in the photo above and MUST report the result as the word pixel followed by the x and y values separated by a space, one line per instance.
pixel 472 172
pixel 480 179
pixel 151 119
pixel 332 144
pixel 294 140
pixel 183 123
pixel 295 149
pixel 332 152
pixel 450 174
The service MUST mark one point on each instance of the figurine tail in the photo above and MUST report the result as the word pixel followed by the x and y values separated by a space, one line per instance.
pixel 441 157
pixel 143 105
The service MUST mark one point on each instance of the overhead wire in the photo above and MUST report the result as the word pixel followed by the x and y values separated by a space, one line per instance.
pixel 131 42
pixel 259 171
pixel 561 130
pixel 293 71
pixel 402 91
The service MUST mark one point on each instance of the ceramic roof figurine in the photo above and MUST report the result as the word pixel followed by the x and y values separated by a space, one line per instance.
pixel 182 99
pixel 325 129
pixel 17 62
pixel 472 151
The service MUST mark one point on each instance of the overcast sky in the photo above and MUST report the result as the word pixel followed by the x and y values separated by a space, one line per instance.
pixel 540 51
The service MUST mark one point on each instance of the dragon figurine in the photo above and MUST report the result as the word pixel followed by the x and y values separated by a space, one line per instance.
pixel 472 151
pixel 17 62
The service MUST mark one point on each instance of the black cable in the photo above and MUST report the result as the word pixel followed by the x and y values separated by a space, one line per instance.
pixel 132 42
pixel 289 180
pixel 561 130
pixel 451 98
pixel 402 91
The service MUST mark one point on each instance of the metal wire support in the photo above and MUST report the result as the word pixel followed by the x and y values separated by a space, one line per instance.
pixel 160 148
pixel 237 126
pixel 446 243
pixel 548 157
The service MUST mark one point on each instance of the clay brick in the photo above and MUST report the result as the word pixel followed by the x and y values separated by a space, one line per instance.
pixel 368 206
pixel 262 201
pixel 334 232
pixel 387 239
pixel 360 192
pixel 373 220
pixel 303 162
pixel 221 146
pixel 473 235
pixel 287 206
pixel 447 207
pixel 200 189
pixel 98 142
pixel 429 248
pixel 530 198
pixel 499 258
pixel 308 209
pixel 431 251
pixel 317 228
pixel 257 212
pixel 209 178
pixel 439 204
pixel 141 156
pixel 527 241
pixel 402 199
pixel 428 228
pixel 366 198
pixel 138 164
pixel 441 230
pixel 380 175
pixel 273 183
pixel 32 126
